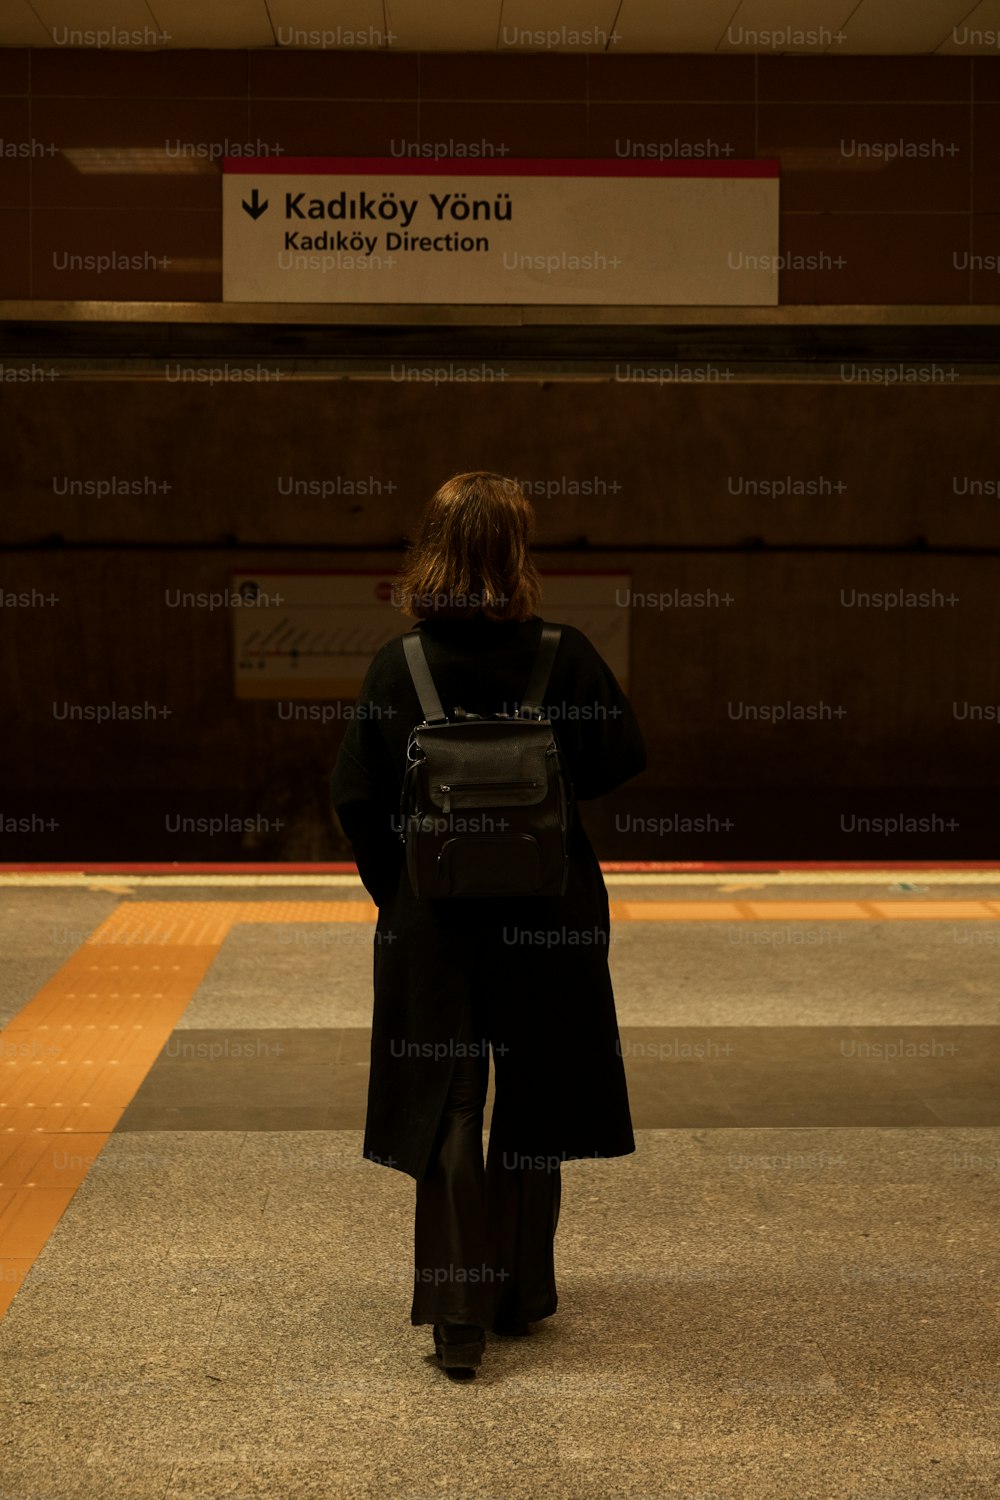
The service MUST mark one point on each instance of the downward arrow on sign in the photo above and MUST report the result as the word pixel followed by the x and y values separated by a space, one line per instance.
pixel 254 208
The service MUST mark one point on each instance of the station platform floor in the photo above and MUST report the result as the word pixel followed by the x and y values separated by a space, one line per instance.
pixel 788 1292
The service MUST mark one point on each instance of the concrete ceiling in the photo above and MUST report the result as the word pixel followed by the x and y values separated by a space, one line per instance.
pixel 775 27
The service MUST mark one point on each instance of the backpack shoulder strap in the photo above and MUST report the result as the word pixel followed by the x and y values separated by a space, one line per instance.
pixel 416 660
pixel 534 693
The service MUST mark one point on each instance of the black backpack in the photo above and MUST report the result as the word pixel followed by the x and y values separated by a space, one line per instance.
pixel 485 805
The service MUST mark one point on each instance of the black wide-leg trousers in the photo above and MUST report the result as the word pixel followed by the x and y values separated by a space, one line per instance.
pixel 483 1235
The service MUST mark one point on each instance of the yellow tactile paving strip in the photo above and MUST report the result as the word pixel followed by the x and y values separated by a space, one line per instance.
pixel 73 1058
pixel 801 911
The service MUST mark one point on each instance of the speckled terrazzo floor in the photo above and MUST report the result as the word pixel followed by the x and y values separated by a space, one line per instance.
pixel 794 1307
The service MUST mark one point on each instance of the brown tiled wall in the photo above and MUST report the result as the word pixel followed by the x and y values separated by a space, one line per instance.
pixel 852 230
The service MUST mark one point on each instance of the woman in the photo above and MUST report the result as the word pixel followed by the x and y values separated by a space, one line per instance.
pixel 527 976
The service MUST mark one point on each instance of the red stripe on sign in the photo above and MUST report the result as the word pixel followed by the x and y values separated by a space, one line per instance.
pixel 519 166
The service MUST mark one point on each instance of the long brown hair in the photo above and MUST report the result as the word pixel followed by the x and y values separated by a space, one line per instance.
pixel 470 553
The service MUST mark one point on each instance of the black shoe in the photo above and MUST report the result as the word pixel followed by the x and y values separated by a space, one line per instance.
pixel 459 1348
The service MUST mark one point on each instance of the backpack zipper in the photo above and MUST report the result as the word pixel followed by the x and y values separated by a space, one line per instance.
pixel 465 785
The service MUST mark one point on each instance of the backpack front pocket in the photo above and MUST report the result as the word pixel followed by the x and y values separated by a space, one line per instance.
pixel 499 865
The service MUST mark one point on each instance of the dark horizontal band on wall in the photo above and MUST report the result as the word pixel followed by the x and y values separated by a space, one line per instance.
pixel 113 821
pixel 915 546
pixel 342 342
pixel 40 310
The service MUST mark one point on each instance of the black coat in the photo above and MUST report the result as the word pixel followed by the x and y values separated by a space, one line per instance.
pixel 536 969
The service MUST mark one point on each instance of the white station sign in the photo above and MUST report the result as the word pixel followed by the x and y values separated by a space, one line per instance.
pixel 615 232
